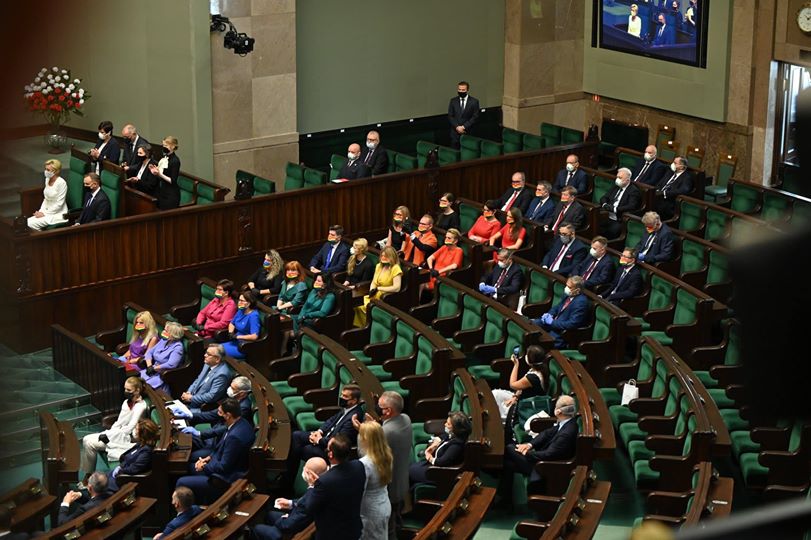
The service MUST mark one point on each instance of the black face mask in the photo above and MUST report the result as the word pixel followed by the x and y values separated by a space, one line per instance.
pixel 378 411
pixel 343 402
pixel 166 151
pixel 128 395
pixel 462 94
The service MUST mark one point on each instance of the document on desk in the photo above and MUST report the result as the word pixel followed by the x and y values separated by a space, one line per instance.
pixel 180 406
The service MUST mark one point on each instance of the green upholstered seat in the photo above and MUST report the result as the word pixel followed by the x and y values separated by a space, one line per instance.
pixel 571 136
pixel 745 198
pixel 205 193
pixel 423 148
pixel 294 176
pixel 491 148
pixel 717 223
pixel 404 162
pixel 511 140
pixel 263 186
pixel 336 162
pixel 468 215
pixel 532 142
pixel 690 216
pixel 470 147
pixel 314 178
pixel 187 190
pixel 111 184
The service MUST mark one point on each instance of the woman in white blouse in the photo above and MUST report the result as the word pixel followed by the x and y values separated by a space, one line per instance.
pixel 634 21
pixel 54 206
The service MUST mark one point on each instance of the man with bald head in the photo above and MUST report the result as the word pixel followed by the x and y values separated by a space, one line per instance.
pixel 354 168
pixel 131 143
pixel 374 156
pixel 294 516
pixel 557 443
pixel 572 175
pixel 623 197
pixel 649 170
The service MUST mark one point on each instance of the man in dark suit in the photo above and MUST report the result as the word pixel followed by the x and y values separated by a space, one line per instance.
pixel 597 270
pixel 517 196
pixel 622 197
pixel 446 450
pixel 570 313
pixel 105 149
pixel 336 496
pixel 628 281
pixel 354 168
pixel 96 203
pixel 463 112
pixel 572 175
pixel 649 170
pixel 542 205
pixel 211 475
pixel 657 244
pixel 183 502
pixel 309 444
pixel 671 186
pixel 374 156
pixel 295 515
pixel 333 255
pixel 665 33
pixel 566 252
pixel 76 503
pixel 133 141
pixel 557 443
pixel 504 282
pixel 139 176
pixel 568 210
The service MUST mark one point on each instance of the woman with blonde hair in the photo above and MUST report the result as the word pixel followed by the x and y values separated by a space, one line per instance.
pixel 269 277
pixel 144 337
pixel 377 459
pixel 167 171
pixel 54 205
pixel 359 269
pixel 400 227
pixel 388 279
pixel 167 354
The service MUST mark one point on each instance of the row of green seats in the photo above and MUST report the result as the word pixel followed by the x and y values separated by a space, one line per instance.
pixel 554 135
pixel 261 186
pixel 299 177
pixel 770 205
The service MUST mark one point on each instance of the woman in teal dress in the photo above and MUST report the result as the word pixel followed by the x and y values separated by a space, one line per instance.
pixel 320 303
pixel 294 289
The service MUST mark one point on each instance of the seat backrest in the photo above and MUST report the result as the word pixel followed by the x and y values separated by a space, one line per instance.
pixel 491 148
pixel 551 133
pixel 602 185
pixel 382 325
pixel 624 159
pixel 726 169
pixel 458 393
pixel 692 256
pixel 75 181
pixel 186 186
pixel 425 352
pixel 511 140
pixel 335 164
pixel 206 294
pixel 447 301
pixel 718 268
pixel 717 222
pixel 448 155
pixel 329 366
pixel 493 326
pixel 293 176
pixel 744 198
pixel 634 232
pixel 571 136
pixel 404 342
pixel 314 178
pixel 602 324
pixel 405 162
pixel 423 147
pixel 392 165
pixel 263 186
pixel 310 355
pixel 686 311
pixel 538 290
pixel 661 293
pixel 110 183
pixel 532 142
pixel 690 215
pixel 468 215
pixel 514 338
pixel 471 314
pixel 644 370
pixel 470 147
pixel 205 193
pixel 775 207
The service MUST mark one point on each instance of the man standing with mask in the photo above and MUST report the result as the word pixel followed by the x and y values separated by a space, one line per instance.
pixel 354 167
pixel 570 313
pixel 374 156
pixel 622 197
pixel 566 253
pixel 463 112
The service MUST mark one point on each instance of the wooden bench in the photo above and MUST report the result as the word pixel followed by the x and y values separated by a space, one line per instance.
pixel 60 454
pixel 28 503
pixel 460 515
pixel 780 208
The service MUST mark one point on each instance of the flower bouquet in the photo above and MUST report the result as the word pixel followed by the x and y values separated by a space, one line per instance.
pixel 55 95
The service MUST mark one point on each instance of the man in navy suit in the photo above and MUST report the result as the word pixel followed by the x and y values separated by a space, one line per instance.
pixel 96 203
pixel 623 197
pixel 568 209
pixel 97 489
pixel 333 255
pixel 374 156
pixel 354 168
pixel 597 270
pixel 133 141
pixel 504 282
pixel 649 170
pixel 463 113
pixel 657 244
pixel 571 312
pixel 670 186
pixel 628 281
pixel 557 443
pixel 211 385
pixel 572 175
pixel 518 194
pixel 665 33
pixel 183 502
pixel 105 149
pixel 336 496
pixel 566 253
pixel 309 444
pixel 229 461
pixel 295 515
pixel 541 207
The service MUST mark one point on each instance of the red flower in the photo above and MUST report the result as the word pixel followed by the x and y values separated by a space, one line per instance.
pixel 78 105
pixel 57 90
pixel 70 103
pixel 50 98
pixel 61 98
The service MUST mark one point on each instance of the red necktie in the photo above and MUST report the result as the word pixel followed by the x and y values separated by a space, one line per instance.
pixel 501 277
pixel 589 270
pixel 560 218
pixel 564 306
pixel 511 201
pixel 559 257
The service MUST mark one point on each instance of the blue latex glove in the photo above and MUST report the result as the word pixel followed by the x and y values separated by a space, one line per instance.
pixel 179 413
pixel 640 257
pixel 482 287
pixel 547 318
pixel 116 471
pixel 189 429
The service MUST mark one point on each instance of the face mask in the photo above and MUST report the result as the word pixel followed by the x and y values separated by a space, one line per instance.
pixel 332 241
pixel 49 174
pixel 502 264
pixel 567 291
pixel 673 167
pixel 570 167
pixel 371 145
pixel 343 402
pixel 422 228
pixel 128 395
pixel 462 94
pixel 384 263
pixel 618 182
pixel 593 252
pixel 219 294
pixel 140 326
pixel 448 242
pixel 565 239
pixel 448 431
pixel 648 156
pixel 488 214
pixel 305 477
pixel 650 229
pixel 165 334
pixel 141 157
pixel 351 156
pixel 292 275
pixel 318 285
pixel 352 250
pixel 102 136
pixel 397 219
pixel 564 198
pixel 266 264
pixel 624 262
pixel 443 204
pixel 242 307
pixel 230 392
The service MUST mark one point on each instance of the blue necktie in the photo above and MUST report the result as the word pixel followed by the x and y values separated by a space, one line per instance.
pixel 329 258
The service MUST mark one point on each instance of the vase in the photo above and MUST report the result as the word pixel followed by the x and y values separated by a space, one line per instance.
pixel 56 140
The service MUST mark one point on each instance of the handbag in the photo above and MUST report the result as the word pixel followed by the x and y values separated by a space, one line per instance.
pixel 629 391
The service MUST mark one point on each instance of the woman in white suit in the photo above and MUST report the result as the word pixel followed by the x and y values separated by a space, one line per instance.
pixel 54 205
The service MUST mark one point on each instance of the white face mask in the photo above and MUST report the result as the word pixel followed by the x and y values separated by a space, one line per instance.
pixel 567 291
pixel 305 477
pixel 351 156
pixel 49 174
pixel 352 250
pixel 593 252
pixel 570 167
pixel 618 182
pixel 448 431
pixel 502 264
pixel 673 167
pixel 230 392
pixel 649 156
pixel 371 145
pixel 101 136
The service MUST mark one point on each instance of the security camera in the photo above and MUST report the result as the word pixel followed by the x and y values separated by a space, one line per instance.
pixel 240 42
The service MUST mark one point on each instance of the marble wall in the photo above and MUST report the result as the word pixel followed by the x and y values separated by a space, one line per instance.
pixel 254 97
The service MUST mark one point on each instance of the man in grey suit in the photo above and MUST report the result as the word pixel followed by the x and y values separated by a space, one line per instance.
pixel 397 428
pixel 212 384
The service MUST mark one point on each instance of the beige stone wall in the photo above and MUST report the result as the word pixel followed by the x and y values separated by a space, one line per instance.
pixel 254 97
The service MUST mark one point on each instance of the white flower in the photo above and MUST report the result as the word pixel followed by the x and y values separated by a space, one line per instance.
pixel 81 101
pixel 81 91
pixel 37 80
pixel 71 87
pixel 64 71
pixel 76 81
pixel 55 69
pixel 65 77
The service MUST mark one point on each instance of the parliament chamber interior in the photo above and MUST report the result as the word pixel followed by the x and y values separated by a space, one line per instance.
pixel 414 270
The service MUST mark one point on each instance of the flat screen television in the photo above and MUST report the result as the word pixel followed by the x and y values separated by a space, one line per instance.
pixel 671 30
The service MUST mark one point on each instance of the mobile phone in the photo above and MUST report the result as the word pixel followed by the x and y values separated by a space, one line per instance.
pixel 516 351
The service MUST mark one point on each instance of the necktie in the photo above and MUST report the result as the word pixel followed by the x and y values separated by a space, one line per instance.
pixel 642 172
pixel 661 30
pixel 590 269
pixel 511 200
pixel 536 211
pixel 90 200
pixel 667 185
pixel 329 258
pixel 648 243
pixel 336 424
pixel 557 260
pixel 462 103
pixel 560 218
pixel 368 157
pixel 501 277
pixel 622 276
pixel 569 177
pixel 564 306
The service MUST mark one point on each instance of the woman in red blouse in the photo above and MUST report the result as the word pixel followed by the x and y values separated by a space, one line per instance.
pixel 512 234
pixel 218 312
pixel 486 226
pixel 447 258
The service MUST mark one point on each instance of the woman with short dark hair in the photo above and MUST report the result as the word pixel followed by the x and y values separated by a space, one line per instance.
pixel 446 450
pixel 245 326
pixel 218 312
